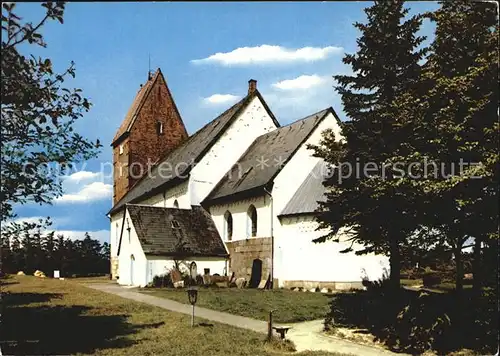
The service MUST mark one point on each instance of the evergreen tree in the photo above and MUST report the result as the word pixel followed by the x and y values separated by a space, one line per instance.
pixel 105 256
pixel 16 251
pixel 453 111
pixel 48 246
pixel 26 248
pixel 6 256
pixel 377 208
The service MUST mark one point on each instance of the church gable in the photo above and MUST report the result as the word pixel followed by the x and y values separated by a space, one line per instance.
pixel 173 232
pixel 151 129
pixel 152 100
pixel 253 121
pixel 264 159
pixel 190 153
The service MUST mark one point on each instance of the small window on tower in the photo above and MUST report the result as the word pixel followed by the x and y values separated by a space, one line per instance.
pixel 159 128
pixel 121 149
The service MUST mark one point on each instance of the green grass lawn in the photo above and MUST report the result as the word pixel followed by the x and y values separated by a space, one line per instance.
pixel 47 316
pixel 287 306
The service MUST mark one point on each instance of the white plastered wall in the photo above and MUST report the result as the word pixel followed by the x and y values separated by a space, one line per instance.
pixel 303 260
pixel 251 123
pixel 131 273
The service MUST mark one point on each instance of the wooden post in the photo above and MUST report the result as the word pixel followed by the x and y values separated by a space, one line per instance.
pixel 270 326
pixel 192 318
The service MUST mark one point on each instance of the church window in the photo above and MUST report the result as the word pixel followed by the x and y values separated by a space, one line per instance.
pixel 175 224
pixel 228 226
pixel 121 149
pixel 252 221
pixel 176 204
pixel 159 128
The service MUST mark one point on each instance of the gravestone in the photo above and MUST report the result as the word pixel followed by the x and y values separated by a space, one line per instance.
pixel 262 284
pixel 56 274
pixel 240 282
pixel 179 284
pixel 265 283
pixel 207 279
pixel 175 275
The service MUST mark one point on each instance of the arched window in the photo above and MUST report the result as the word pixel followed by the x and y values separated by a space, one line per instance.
pixel 176 204
pixel 252 221
pixel 117 234
pixel 228 226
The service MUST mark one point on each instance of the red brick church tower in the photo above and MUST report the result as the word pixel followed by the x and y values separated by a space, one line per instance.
pixel 152 128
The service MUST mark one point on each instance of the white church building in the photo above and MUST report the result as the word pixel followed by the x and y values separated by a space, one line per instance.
pixel 238 196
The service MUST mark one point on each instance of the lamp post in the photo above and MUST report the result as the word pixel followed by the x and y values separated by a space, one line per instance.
pixel 193 297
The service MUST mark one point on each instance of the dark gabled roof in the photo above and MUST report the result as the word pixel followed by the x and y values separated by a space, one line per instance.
pixel 187 154
pixel 305 199
pixel 136 106
pixel 176 232
pixel 264 159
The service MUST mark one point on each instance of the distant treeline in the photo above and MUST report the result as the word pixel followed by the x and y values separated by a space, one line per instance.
pixel 25 248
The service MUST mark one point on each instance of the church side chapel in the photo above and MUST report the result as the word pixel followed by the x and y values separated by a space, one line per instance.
pixel 237 197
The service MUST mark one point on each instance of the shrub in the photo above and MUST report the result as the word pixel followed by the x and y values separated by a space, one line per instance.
pixel 199 279
pixel 188 280
pixel 414 322
pixel 161 281
pixel 420 324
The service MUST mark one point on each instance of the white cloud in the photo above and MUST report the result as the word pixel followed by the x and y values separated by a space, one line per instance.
pixel 266 54
pixel 90 192
pixel 291 105
pixel 220 99
pixel 300 83
pixel 82 175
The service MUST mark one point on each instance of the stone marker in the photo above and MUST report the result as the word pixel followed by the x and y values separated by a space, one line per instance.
pixel 219 279
pixel 39 273
pixel 175 275
pixel 324 290
pixel 56 274
pixel 262 284
pixel 179 284
pixel 241 282
pixel 207 279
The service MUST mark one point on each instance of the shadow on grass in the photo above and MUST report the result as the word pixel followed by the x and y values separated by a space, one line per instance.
pixel 58 329
pixel 28 298
pixel 206 325
pixel 415 321
pixel 6 281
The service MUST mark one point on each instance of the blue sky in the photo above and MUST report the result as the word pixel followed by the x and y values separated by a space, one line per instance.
pixel 203 50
